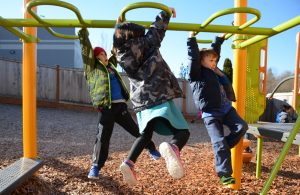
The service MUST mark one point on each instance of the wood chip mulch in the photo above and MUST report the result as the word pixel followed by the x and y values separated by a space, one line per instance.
pixel 68 174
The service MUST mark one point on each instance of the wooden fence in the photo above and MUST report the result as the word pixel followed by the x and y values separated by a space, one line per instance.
pixel 66 85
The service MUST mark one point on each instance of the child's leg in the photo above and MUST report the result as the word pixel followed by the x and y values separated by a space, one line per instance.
pixel 141 142
pixel 221 149
pixel 236 125
pixel 127 167
pixel 101 146
pixel 125 120
pixel 180 138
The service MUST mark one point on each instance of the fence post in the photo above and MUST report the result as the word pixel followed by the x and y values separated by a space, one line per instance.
pixel 57 83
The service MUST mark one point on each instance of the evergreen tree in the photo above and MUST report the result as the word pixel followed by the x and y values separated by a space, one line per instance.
pixel 227 69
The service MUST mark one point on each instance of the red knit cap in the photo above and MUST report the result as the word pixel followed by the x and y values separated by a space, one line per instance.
pixel 98 50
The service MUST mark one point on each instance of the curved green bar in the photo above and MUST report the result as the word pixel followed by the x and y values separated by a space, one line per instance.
pixel 16 31
pixel 144 5
pixel 54 3
pixel 232 11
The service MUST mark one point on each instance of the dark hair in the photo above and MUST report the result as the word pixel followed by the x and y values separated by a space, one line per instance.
pixel 286 107
pixel 126 31
pixel 207 52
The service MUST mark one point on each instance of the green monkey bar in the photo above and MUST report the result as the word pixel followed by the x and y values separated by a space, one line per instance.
pixel 231 11
pixel 144 4
pixel 55 3
pixel 262 33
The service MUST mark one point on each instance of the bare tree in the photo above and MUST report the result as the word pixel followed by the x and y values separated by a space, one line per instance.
pixel 274 80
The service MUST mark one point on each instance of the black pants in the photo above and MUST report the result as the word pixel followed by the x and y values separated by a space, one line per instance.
pixel 107 118
pixel 180 138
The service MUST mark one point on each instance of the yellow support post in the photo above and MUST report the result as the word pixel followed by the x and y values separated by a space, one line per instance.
pixel 29 92
pixel 239 84
pixel 297 73
pixel 296 78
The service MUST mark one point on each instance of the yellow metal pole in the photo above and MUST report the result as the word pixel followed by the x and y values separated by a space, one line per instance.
pixel 297 72
pixel 239 84
pixel 296 78
pixel 29 93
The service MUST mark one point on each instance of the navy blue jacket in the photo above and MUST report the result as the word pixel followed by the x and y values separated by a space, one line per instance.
pixel 204 82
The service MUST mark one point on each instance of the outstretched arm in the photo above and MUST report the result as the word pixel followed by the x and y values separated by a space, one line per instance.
pixel 86 50
pixel 193 58
pixel 216 45
pixel 158 28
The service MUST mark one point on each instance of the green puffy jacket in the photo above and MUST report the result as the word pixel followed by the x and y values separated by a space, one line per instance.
pixel 96 73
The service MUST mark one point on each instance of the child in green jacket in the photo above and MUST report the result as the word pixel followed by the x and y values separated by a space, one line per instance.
pixel 109 95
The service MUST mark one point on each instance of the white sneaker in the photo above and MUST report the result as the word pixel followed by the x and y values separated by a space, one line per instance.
pixel 129 175
pixel 171 154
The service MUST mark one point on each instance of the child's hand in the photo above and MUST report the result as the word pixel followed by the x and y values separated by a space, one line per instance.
pixel 173 12
pixel 192 34
pixel 119 20
pixel 223 35
pixel 218 71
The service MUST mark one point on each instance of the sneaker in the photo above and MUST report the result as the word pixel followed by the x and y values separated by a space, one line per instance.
pixel 227 180
pixel 129 175
pixel 171 154
pixel 94 172
pixel 154 154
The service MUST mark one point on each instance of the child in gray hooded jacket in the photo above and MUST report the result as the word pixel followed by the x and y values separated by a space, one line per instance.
pixel 153 88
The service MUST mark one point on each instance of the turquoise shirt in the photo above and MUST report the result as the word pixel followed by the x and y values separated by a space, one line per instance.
pixel 167 110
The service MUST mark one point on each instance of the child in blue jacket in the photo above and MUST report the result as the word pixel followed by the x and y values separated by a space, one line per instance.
pixel 212 94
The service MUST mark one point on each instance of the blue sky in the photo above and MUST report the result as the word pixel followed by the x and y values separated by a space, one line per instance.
pixel 282 47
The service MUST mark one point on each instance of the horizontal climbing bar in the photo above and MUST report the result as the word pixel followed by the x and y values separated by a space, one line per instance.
pixel 111 24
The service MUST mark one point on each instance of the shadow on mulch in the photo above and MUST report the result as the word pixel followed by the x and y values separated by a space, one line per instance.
pixel 251 166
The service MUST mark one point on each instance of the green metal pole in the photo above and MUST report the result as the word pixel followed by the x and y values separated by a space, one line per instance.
pixel 259 156
pixel 278 29
pixel 281 157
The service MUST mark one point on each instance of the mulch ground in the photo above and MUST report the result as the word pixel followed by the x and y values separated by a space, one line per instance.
pixel 68 175
pixel 65 141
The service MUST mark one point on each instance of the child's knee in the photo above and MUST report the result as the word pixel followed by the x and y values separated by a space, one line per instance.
pixel 244 128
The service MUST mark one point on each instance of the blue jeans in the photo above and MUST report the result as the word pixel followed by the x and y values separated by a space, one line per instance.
pixel 222 144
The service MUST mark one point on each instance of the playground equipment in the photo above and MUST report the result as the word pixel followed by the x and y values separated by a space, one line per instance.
pixel 245 37
pixel 287 133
